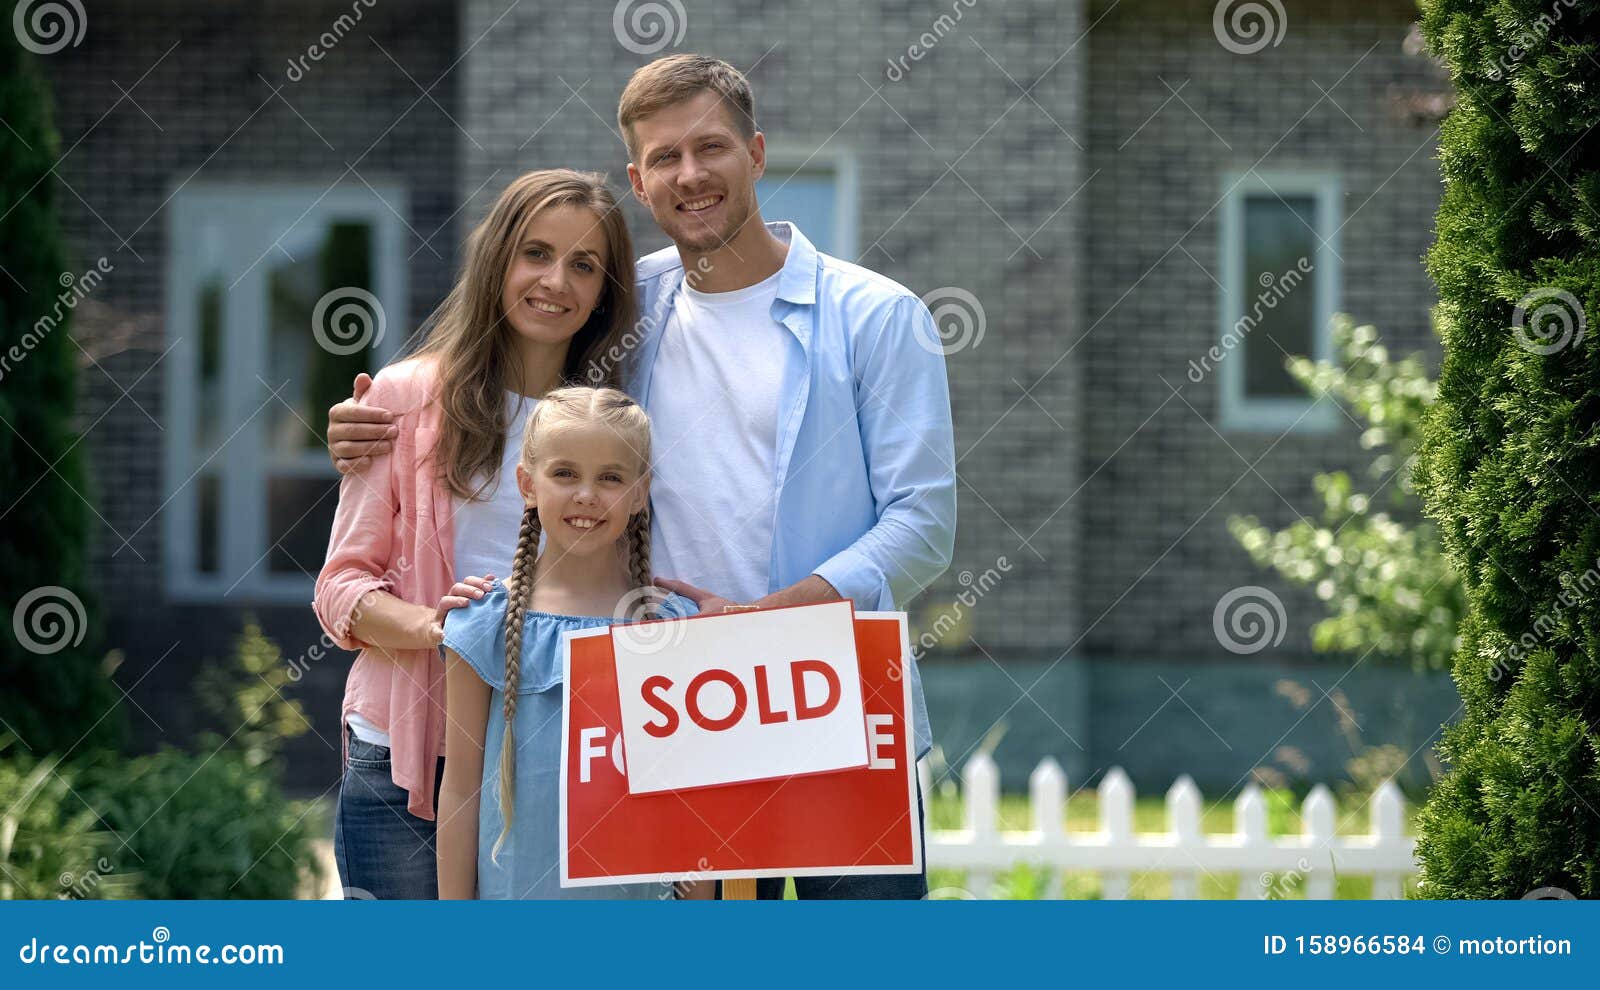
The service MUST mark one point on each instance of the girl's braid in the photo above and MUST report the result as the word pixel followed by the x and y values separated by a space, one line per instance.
pixel 520 595
pixel 639 560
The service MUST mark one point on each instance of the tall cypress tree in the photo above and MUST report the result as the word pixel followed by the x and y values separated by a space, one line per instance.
pixel 1509 464
pixel 52 688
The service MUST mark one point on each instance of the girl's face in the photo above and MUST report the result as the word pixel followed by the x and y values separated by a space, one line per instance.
pixel 587 483
pixel 557 275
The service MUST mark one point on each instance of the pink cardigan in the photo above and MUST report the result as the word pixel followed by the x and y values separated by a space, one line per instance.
pixel 393 531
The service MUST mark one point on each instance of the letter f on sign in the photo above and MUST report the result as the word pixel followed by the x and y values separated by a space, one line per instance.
pixel 589 747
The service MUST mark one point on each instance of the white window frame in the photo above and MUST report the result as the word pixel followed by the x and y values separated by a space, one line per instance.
pixel 791 156
pixel 276 209
pixel 1240 412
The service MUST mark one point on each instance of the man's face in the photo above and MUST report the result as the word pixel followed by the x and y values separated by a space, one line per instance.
pixel 695 172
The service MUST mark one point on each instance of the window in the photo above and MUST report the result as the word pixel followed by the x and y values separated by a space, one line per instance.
pixel 814 191
pixel 1280 277
pixel 277 297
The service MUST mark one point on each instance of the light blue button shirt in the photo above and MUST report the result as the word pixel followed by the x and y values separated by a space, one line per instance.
pixel 865 469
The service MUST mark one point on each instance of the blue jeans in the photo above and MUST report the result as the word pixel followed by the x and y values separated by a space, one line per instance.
pixel 870 887
pixel 384 852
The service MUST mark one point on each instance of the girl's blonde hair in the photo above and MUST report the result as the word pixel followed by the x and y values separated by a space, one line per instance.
pixel 576 404
pixel 475 347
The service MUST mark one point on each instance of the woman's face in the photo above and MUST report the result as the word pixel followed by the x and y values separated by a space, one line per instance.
pixel 587 483
pixel 557 275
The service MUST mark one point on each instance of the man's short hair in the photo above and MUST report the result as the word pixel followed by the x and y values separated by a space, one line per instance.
pixel 676 78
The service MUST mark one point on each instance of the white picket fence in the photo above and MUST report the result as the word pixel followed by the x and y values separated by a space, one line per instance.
pixel 1311 860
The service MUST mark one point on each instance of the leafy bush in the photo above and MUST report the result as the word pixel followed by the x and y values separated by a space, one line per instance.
pixel 57 693
pixel 1391 592
pixel 48 844
pixel 204 826
pixel 1508 462
pixel 216 824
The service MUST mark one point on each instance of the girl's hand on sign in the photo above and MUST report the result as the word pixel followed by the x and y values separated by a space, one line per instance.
pixel 461 594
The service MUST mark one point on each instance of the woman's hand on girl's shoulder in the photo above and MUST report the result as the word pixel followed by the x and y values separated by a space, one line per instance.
pixel 461 594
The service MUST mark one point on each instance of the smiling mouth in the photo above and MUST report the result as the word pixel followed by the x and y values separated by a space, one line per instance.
pixel 582 522
pixel 700 205
pixel 549 308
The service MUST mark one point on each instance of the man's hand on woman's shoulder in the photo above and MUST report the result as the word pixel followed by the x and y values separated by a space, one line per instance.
pixel 357 433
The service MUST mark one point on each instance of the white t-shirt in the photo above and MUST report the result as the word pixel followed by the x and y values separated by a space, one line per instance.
pixel 485 532
pixel 714 435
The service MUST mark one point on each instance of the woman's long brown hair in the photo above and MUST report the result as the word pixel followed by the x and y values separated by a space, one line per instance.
pixel 474 345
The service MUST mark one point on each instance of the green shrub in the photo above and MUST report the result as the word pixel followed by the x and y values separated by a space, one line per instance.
pixel 1391 593
pixel 208 825
pixel 215 823
pixel 1509 465
pixel 49 847
pixel 57 694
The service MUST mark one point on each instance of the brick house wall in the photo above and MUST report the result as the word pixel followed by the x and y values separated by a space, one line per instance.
pixel 200 105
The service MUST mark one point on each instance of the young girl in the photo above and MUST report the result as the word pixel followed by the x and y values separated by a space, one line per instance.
pixel 545 295
pixel 584 478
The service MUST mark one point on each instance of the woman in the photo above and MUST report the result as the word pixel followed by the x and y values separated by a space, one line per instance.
pixel 545 295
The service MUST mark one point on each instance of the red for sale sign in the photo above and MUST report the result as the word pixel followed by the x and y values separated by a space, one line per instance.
pixel 850 821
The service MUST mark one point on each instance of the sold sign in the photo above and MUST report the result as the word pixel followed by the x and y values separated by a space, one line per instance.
pixel 856 821
pixel 740 697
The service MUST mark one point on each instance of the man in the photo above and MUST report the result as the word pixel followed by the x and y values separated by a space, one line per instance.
pixel 800 414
